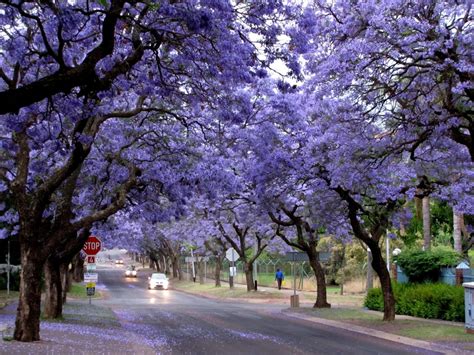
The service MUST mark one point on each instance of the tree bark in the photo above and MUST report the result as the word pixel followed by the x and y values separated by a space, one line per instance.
pixel 248 269
pixel 175 266
pixel 321 296
pixel 200 267
pixel 457 221
pixel 217 272
pixel 370 272
pixel 65 279
pixel 426 223
pixel 77 268
pixel 380 268
pixel 53 305
pixel 27 323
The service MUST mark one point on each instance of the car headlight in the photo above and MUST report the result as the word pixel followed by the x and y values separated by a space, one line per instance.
pixel 134 273
pixel 127 272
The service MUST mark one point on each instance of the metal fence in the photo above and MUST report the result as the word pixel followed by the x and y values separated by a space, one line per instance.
pixel 264 272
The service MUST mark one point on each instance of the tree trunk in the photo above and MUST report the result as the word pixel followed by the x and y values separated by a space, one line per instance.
pixel 248 269
pixel 175 266
pixel 457 221
pixel 200 266
pixel 27 323
pixel 321 297
pixel 65 279
pixel 77 268
pixel 217 274
pixel 370 272
pixel 53 305
pixel 381 269
pixel 426 223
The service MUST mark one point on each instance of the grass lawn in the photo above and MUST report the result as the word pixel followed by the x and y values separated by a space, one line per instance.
pixel 239 291
pixel 418 329
pixel 5 298
pixel 78 290
pixel 225 292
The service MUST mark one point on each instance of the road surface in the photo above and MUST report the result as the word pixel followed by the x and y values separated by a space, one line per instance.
pixel 173 322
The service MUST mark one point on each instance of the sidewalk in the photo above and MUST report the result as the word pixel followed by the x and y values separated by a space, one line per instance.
pixel 87 329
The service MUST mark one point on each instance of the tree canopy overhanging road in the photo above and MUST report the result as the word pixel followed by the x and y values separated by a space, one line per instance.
pixel 194 126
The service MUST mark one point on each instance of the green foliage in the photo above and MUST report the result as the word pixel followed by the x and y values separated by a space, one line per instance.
pixel 441 225
pixel 421 266
pixel 374 299
pixel 438 301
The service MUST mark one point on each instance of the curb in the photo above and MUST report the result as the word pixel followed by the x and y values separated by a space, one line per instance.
pixel 439 348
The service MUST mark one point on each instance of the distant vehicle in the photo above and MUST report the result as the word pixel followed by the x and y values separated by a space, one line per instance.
pixel 158 280
pixel 119 262
pixel 131 272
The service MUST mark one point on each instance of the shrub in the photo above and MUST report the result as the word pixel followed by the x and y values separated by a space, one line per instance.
pixel 439 301
pixel 422 266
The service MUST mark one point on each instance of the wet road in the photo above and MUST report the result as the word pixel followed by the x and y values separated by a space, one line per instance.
pixel 172 322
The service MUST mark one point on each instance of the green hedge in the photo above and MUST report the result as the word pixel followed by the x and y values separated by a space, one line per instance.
pixel 421 266
pixel 439 301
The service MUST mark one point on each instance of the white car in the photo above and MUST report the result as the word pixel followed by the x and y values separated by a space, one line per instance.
pixel 131 273
pixel 158 280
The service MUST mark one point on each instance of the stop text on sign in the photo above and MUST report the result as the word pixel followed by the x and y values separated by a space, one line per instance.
pixel 92 245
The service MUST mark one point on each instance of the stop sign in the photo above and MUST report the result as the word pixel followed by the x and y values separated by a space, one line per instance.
pixel 92 245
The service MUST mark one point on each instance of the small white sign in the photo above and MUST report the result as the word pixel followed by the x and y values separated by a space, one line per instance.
pixel 91 277
pixel 91 267
pixel 232 271
pixel 231 254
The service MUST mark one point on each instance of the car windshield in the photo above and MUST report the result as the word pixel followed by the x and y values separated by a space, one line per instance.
pixel 158 276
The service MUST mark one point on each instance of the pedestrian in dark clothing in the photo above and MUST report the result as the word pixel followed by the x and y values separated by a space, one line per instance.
pixel 279 277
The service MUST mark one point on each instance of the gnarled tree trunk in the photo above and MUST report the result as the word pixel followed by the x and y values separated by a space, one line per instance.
pixel 248 269
pixel 77 268
pixel 217 271
pixel 380 268
pixel 321 297
pixel 53 305
pixel 65 279
pixel 27 325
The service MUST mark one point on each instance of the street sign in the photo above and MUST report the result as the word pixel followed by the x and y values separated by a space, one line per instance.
pixel 90 291
pixel 91 277
pixel 193 259
pixel 92 245
pixel 90 259
pixel 298 256
pixel 232 271
pixel 231 254
pixel 91 267
pixel 90 284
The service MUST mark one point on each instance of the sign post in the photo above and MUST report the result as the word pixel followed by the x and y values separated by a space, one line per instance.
pixel 91 247
pixel 232 255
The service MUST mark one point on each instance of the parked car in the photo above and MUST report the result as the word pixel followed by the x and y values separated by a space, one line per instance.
pixel 158 280
pixel 131 272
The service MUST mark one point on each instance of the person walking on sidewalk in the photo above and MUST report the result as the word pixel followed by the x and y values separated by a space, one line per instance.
pixel 279 277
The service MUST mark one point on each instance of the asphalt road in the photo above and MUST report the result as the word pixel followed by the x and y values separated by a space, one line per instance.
pixel 172 322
